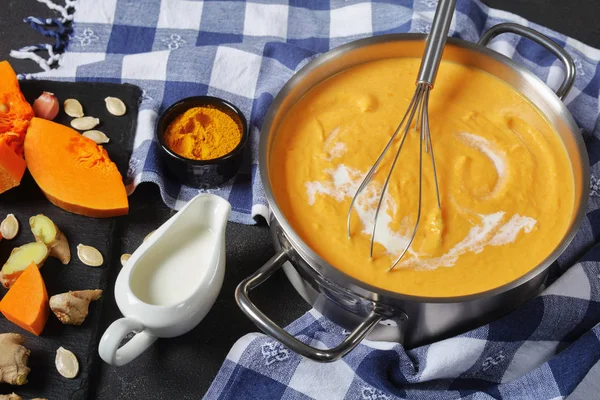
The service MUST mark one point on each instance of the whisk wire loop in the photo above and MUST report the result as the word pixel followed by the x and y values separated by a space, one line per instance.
pixel 367 179
pixel 423 107
pixel 430 144
pixel 417 111
pixel 412 111
pixel 419 104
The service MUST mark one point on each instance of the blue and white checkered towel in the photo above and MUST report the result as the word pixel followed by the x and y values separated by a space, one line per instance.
pixel 246 51
pixel 548 349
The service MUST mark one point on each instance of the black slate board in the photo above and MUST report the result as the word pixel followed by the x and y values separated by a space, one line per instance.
pixel 27 200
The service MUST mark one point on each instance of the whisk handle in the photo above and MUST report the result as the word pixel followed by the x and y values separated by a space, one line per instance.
pixel 434 46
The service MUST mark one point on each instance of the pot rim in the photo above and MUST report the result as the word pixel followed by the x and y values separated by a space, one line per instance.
pixel 374 292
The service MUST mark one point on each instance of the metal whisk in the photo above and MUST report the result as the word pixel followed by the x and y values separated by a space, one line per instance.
pixel 418 106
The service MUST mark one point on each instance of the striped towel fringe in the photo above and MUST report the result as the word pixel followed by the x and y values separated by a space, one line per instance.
pixel 58 28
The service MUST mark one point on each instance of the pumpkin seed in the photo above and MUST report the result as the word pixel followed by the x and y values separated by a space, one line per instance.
pixel 73 108
pixel 89 255
pixel 9 227
pixel 148 236
pixel 124 258
pixel 115 106
pixel 66 363
pixel 97 136
pixel 85 123
pixel 3 108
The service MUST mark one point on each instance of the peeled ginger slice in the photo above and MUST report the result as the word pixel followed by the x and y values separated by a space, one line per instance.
pixel 20 259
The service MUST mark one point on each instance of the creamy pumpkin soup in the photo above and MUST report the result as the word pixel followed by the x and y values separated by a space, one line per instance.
pixel 505 180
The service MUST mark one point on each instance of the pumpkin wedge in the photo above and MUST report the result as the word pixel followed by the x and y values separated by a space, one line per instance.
pixel 73 171
pixel 15 114
pixel 26 303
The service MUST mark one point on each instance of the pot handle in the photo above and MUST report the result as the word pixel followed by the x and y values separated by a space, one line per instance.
pixel 272 329
pixel 542 40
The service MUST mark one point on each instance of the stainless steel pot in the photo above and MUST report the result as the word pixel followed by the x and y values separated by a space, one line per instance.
pixel 366 309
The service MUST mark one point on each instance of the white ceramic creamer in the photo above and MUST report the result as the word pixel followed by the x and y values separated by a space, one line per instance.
pixel 171 281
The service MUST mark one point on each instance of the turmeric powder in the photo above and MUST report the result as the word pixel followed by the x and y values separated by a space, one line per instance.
pixel 203 133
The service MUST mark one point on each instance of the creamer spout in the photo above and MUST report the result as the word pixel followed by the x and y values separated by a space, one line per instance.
pixel 219 210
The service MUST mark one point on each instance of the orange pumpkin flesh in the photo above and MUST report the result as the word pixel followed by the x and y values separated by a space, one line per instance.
pixel 15 114
pixel 73 171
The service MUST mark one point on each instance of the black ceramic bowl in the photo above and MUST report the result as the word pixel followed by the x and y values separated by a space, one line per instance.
pixel 202 173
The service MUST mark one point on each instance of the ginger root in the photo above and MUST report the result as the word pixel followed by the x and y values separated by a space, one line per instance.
pixel 72 307
pixel 46 231
pixel 21 258
pixel 13 359
pixel 11 396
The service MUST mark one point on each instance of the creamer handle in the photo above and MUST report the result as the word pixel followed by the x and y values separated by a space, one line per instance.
pixel 278 333
pixel 109 348
pixel 542 40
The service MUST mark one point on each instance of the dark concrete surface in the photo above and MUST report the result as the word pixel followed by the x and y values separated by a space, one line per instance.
pixel 183 368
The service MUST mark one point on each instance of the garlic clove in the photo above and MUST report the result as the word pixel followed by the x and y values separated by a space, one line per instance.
pixel 66 363
pixel 115 106
pixel 46 106
pixel 9 227
pixel 73 108
pixel 124 258
pixel 85 123
pixel 89 255
pixel 97 136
